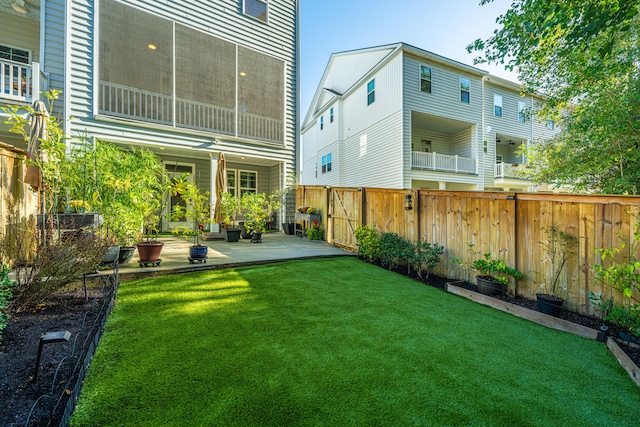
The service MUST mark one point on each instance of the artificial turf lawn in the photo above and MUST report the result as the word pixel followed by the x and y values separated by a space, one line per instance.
pixel 343 343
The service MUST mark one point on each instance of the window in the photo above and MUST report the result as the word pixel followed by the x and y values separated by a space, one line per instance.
pixel 497 105
pixel 231 182
pixel 321 122
pixel 371 92
pixel 13 54
pixel 465 89
pixel 425 79
pixel 331 115
pixel 256 9
pixel 425 146
pixel 248 182
pixel 498 158
pixel 522 112
pixel 326 163
pixel 551 125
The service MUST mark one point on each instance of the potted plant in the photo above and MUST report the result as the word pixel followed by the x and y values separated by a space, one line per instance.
pixel 257 209
pixel 493 275
pixel 228 207
pixel 196 212
pixel 559 246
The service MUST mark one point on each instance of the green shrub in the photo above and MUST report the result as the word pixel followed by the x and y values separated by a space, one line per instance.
pixel 368 242
pixel 394 250
pixel 425 257
pixel 6 291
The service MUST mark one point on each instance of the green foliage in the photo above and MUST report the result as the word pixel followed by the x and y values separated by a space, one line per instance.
pixel 257 209
pixel 582 57
pixel 196 210
pixel 228 208
pixel 425 256
pixel 6 292
pixel 394 250
pixel 624 316
pixel 624 277
pixel 315 232
pixel 368 242
pixel 495 268
pixel 559 246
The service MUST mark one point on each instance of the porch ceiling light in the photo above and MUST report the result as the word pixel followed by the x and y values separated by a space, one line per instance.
pixel 242 73
pixel 19 6
pixel 152 46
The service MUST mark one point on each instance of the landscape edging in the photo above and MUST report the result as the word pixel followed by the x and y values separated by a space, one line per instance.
pixel 550 322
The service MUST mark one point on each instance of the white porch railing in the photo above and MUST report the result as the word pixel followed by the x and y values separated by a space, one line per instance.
pixel 442 162
pixel 17 82
pixel 127 102
pixel 510 170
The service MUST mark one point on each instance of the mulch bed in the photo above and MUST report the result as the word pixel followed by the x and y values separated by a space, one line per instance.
pixel 64 311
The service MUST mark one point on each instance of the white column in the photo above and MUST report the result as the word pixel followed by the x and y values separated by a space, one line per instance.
pixel 442 185
pixel 213 197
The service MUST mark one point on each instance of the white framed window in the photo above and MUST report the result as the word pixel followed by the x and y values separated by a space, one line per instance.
pixel 326 163
pixel 175 170
pixel 425 79
pixel 497 105
pixel 321 122
pixel 522 112
pixel 331 115
pixel 425 146
pixel 551 125
pixel 498 158
pixel 248 182
pixel 371 92
pixel 13 54
pixel 257 9
pixel 240 182
pixel 465 90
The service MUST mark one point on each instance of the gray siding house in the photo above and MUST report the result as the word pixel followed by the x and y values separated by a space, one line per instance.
pixel 397 116
pixel 188 80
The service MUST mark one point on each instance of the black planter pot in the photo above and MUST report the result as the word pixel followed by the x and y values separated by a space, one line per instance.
pixel 549 304
pixel 246 234
pixel 289 228
pixel 256 237
pixel 198 252
pixel 111 256
pixel 488 286
pixel 231 234
pixel 126 254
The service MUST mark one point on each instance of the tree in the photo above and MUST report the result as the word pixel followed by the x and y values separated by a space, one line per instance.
pixel 582 57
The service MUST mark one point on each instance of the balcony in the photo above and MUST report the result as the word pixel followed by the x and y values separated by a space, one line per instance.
pixel 510 170
pixel 442 162
pixel 17 82
pixel 132 103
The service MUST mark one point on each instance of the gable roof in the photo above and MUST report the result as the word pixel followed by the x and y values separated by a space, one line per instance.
pixel 345 70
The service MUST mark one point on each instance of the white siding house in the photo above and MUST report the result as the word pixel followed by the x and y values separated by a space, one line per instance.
pixel 433 124
pixel 188 80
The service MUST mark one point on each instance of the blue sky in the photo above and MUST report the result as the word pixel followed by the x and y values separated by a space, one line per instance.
pixel 441 27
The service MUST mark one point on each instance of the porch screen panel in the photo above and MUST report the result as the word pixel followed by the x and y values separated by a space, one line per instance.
pixel 260 96
pixel 205 81
pixel 136 57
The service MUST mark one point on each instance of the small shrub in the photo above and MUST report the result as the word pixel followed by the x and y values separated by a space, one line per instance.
pixel 394 250
pixel 6 291
pixel 425 257
pixel 315 232
pixel 368 243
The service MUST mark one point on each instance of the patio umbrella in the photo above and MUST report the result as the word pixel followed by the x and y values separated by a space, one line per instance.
pixel 38 121
pixel 221 185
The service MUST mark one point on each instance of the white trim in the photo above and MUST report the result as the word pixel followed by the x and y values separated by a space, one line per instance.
pixel 96 58
pixel 67 69
pixel 420 65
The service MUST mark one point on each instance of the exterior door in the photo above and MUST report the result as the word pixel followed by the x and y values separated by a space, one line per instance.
pixel 175 170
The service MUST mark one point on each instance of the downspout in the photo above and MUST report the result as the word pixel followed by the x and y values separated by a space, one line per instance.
pixel 297 139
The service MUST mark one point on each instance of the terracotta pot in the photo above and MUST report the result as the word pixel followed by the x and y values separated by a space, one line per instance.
pixel 149 251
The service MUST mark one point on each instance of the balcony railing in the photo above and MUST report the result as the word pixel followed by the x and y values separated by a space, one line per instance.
pixel 131 103
pixel 17 82
pixel 442 162
pixel 510 170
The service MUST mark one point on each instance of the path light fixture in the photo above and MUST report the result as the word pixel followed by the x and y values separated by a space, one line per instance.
pixel 49 338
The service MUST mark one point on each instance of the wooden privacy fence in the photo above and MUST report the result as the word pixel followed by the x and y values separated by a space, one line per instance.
pixel 510 226
pixel 18 204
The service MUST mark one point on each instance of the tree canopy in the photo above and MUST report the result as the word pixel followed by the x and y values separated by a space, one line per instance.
pixel 583 57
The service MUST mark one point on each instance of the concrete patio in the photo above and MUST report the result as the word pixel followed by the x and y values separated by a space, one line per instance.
pixel 275 246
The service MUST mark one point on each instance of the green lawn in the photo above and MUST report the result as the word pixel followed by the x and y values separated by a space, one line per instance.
pixel 338 342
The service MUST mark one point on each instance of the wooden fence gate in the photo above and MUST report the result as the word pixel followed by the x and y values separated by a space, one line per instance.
pixel 345 216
